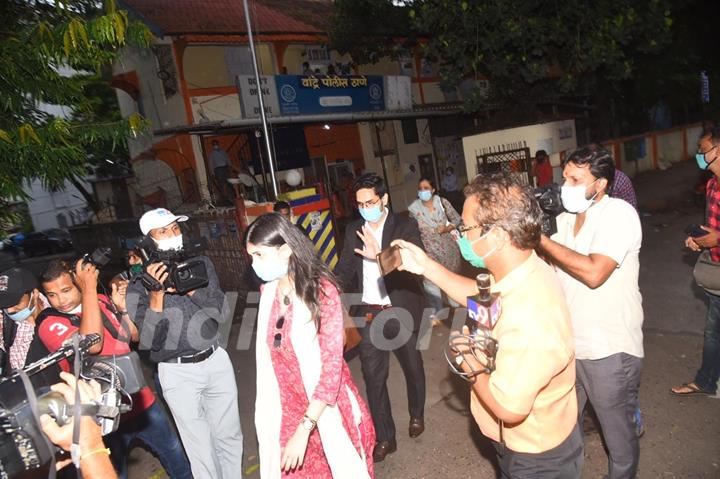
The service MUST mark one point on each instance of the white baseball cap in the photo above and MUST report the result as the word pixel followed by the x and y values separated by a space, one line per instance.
pixel 158 218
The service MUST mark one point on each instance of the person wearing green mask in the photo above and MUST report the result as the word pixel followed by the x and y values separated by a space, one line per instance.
pixel 134 262
pixel 532 386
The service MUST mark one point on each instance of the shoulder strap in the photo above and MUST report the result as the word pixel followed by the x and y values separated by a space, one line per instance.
pixel 75 320
pixel 47 312
pixel 9 330
pixel 108 325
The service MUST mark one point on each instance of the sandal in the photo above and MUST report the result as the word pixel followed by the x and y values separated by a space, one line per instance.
pixel 690 389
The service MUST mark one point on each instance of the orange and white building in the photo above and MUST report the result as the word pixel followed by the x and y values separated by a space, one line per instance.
pixel 186 84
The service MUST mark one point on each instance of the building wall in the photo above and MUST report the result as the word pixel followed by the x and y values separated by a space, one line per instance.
pixel 654 149
pixel 208 66
pixel 216 107
pixel 398 156
pixel 205 66
pixel 339 143
pixel 163 111
pixel 553 137
pixel 207 89
pixel 44 207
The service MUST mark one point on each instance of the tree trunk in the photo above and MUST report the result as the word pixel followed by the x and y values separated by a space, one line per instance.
pixel 89 197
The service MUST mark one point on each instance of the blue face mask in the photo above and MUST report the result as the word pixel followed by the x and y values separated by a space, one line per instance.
pixel 23 314
pixel 701 161
pixel 372 214
pixel 269 270
pixel 425 195
pixel 469 255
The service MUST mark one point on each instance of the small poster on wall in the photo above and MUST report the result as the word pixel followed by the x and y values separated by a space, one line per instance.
pixel 547 145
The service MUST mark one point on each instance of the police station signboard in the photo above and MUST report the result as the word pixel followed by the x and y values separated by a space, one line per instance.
pixel 309 95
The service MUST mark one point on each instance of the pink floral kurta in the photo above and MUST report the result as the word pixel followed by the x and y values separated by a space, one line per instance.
pixel 334 387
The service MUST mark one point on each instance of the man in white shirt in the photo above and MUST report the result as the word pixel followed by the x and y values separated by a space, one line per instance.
pixel 392 306
pixel 596 254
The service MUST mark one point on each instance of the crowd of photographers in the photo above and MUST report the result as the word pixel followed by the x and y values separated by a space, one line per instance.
pixel 42 315
pixel 562 327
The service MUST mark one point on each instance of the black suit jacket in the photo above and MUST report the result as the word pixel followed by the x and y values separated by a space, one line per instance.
pixel 405 289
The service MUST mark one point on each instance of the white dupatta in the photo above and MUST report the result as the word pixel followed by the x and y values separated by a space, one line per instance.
pixel 342 456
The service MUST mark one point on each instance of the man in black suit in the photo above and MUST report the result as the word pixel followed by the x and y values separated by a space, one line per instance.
pixel 391 305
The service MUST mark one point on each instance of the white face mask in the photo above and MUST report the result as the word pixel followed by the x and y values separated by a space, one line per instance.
pixel 167 244
pixel 573 197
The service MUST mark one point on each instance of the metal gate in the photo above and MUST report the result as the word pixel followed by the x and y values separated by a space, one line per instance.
pixel 516 162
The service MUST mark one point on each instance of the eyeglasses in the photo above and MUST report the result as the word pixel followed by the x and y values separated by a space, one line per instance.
pixel 462 229
pixel 367 204
pixel 277 341
pixel 706 152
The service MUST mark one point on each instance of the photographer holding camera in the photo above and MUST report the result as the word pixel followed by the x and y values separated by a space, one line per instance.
pixel 75 304
pixel 181 331
pixel 596 253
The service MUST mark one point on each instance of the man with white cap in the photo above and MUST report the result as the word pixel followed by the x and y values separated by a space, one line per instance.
pixel 197 377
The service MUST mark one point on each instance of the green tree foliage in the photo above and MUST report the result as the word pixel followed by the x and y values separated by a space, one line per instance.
pixel 43 46
pixel 370 29
pixel 529 50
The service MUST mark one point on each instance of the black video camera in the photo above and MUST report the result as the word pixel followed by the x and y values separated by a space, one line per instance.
pixel 185 271
pixel 24 450
pixel 550 201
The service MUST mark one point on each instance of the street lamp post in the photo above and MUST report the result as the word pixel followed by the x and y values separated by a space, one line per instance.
pixel 263 117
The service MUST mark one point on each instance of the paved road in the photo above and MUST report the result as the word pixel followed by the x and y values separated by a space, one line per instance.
pixel 681 439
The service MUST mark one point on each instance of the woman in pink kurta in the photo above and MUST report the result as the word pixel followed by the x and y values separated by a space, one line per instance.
pixel 310 418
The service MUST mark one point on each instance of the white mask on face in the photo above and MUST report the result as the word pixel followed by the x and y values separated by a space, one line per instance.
pixel 573 197
pixel 167 244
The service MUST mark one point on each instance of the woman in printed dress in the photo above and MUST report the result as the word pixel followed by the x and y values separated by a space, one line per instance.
pixel 310 419
pixel 437 220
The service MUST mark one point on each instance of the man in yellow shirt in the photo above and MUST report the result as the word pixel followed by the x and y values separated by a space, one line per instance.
pixel 527 405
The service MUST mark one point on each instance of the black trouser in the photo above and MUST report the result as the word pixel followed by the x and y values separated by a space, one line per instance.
pixel 564 461
pixel 375 361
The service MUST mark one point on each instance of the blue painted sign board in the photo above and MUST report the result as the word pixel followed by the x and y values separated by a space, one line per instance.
pixel 309 95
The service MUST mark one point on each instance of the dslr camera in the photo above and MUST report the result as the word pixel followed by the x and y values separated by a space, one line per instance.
pixel 186 272
pixel 98 258
pixel 24 450
pixel 549 199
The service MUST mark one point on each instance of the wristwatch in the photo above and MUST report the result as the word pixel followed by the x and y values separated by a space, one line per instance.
pixel 308 424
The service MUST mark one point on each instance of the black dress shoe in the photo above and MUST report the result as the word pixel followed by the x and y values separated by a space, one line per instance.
pixel 417 426
pixel 383 448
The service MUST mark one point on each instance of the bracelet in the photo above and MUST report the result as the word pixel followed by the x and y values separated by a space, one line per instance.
pixel 122 313
pixel 96 451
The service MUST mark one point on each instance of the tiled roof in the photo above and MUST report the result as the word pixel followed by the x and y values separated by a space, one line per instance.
pixel 174 17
